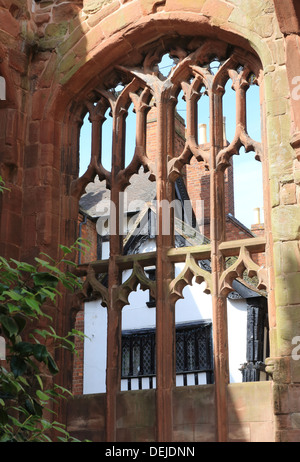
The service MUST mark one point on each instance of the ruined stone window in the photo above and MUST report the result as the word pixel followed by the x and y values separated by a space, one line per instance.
pixel 200 71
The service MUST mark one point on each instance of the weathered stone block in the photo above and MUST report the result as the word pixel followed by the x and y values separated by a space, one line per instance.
pixel 281 398
pixel 199 405
pixel 274 192
pixel 56 30
pixel 205 433
pixel 91 6
pixel 65 12
pixel 68 62
pixel 184 5
pixel 288 327
pixel 276 84
pixel 136 409
pixel 263 26
pixel 73 39
pixel 261 433
pixel 286 258
pixel 286 223
pixel 250 402
pixel 8 23
pixel 104 12
pixel 295 362
pixel 287 291
pixel 278 106
pixel 86 417
pixel 290 257
pixel 288 194
pixel 288 20
pixel 39 100
pixel 239 433
pixel 121 19
pixel 217 9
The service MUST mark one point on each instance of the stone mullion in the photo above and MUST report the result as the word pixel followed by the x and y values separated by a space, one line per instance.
pixel 241 114
pixel 142 110
pixel 267 220
pixel 170 129
pixel 217 232
pixel 165 317
pixel 97 122
pixel 114 312
pixel 191 116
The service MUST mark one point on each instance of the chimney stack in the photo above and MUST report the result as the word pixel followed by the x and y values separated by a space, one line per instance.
pixel 202 134
pixel 257 215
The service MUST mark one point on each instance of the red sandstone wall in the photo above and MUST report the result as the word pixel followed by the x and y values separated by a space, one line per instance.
pixel 250 413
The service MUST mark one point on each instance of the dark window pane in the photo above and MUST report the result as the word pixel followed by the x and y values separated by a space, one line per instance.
pixel 193 351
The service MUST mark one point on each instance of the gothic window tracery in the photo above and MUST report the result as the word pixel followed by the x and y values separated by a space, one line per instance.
pixel 194 74
pixel 201 70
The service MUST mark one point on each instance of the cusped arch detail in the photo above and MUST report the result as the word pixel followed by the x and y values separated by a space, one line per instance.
pixel 235 271
pixel 137 278
pixel 190 271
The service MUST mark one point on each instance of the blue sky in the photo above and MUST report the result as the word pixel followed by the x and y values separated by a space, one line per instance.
pixel 247 171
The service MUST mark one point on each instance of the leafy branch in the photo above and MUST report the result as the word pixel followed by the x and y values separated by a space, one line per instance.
pixel 2 185
pixel 24 290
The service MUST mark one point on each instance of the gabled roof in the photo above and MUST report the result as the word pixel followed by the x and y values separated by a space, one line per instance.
pixel 145 225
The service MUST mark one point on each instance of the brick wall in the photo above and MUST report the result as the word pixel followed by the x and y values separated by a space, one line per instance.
pixel 195 174
pixel 88 232
pixel 179 141
pixel 77 383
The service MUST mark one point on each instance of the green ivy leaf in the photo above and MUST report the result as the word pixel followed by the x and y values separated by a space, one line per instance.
pixel 34 304
pixel 65 249
pixel 22 266
pixel 18 366
pixel 9 324
pixel 33 407
pixel 42 396
pixel 3 417
pixel 52 366
pixel 21 322
pixel 24 348
pixel 29 406
pixel 13 295
pixel 40 352
pixel 45 279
